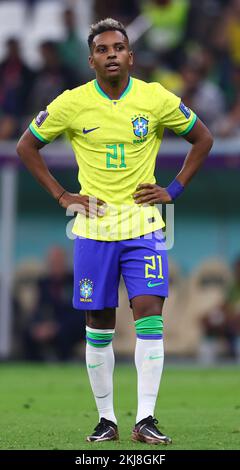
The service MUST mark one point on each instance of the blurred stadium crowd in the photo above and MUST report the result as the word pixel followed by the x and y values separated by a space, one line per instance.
pixel 202 313
pixel 191 47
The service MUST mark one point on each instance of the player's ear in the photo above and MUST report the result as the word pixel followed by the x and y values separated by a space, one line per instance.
pixel 130 57
pixel 90 61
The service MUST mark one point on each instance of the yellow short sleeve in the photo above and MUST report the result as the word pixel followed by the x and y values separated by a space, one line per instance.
pixel 171 111
pixel 54 120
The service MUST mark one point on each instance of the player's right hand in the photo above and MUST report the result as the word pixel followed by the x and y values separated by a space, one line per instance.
pixel 86 205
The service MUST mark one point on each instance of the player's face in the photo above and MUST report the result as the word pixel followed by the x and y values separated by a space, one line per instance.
pixel 110 55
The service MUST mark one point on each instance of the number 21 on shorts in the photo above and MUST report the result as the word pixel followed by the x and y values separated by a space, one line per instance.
pixel 153 267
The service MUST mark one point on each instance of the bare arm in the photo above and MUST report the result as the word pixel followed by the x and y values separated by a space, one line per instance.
pixel 28 150
pixel 202 141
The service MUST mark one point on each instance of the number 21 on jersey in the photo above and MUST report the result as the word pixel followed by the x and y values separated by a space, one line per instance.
pixel 115 158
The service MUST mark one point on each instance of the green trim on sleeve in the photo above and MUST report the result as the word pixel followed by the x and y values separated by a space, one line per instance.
pixel 190 126
pixel 39 137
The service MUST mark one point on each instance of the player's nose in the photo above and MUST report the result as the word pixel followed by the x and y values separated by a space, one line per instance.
pixel 112 54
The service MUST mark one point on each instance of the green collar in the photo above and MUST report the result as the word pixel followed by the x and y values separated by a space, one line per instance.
pixel 124 93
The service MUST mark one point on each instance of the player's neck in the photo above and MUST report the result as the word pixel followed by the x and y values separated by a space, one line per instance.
pixel 113 89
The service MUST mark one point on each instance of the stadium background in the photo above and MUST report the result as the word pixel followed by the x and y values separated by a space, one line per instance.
pixel 183 45
pixel 193 49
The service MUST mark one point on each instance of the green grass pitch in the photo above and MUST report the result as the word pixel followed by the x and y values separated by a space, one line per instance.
pixel 50 406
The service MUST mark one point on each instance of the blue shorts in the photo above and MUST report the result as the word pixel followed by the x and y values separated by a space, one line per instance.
pixel 98 266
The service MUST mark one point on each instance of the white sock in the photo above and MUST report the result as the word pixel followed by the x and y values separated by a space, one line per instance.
pixel 100 366
pixel 149 357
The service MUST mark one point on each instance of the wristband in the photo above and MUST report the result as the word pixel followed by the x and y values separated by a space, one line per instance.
pixel 59 197
pixel 174 189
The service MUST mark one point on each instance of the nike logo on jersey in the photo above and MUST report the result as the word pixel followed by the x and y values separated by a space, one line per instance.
pixel 95 365
pixel 154 284
pixel 86 131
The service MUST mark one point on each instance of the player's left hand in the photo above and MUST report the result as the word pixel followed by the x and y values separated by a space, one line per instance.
pixel 151 194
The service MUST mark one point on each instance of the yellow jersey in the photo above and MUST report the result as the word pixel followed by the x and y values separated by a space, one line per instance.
pixel 115 143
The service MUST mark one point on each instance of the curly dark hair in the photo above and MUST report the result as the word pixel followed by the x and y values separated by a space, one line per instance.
pixel 109 24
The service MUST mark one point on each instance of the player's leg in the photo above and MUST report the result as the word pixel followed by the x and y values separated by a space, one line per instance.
pixel 96 280
pixel 149 357
pixel 145 271
pixel 100 328
pixel 149 353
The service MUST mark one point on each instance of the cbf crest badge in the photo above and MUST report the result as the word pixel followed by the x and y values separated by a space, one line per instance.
pixel 86 290
pixel 140 126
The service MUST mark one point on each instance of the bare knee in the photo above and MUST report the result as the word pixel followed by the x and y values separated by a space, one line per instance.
pixel 147 311
pixel 145 306
pixel 101 319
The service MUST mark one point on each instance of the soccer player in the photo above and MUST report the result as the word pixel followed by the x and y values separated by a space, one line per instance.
pixel 115 125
